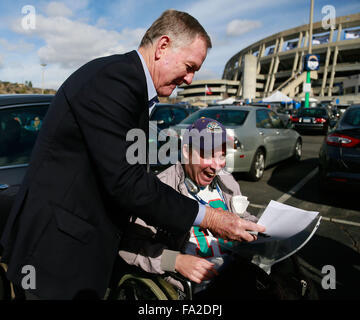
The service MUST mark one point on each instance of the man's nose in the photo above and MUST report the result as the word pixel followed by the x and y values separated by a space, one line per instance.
pixel 188 78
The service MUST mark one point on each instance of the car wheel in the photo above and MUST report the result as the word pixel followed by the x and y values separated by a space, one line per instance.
pixel 5 288
pixel 258 166
pixel 297 150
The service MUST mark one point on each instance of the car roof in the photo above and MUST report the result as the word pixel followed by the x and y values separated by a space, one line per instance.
pixel 234 107
pixel 170 105
pixel 14 99
pixel 354 106
pixel 312 108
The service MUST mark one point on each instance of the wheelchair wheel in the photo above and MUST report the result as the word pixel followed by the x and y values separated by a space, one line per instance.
pixel 133 287
pixel 5 288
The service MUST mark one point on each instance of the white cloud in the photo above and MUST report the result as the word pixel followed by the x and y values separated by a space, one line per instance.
pixel 102 22
pixel 64 43
pixel 28 68
pixel 20 46
pixel 57 9
pixel 76 5
pixel 72 43
pixel 215 16
pixel 213 12
pixel 239 27
pixel 206 74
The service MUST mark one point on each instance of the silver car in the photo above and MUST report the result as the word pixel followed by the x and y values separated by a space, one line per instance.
pixel 260 137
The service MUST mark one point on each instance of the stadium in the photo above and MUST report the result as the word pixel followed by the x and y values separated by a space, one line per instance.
pixel 275 64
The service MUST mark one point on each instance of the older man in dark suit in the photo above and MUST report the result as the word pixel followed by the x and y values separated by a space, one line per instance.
pixel 80 191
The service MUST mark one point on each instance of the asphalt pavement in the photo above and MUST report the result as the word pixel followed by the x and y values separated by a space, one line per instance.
pixel 337 241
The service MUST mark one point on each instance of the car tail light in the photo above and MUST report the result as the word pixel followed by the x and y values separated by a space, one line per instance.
pixel 341 140
pixel 295 119
pixel 320 120
pixel 339 179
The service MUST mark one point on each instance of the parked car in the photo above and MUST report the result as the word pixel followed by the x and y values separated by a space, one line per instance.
pixel 342 108
pixel 162 117
pixel 168 115
pixel 339 156
pixel 276 107
pixel 312 119
pixel 260 137
pixel 20 121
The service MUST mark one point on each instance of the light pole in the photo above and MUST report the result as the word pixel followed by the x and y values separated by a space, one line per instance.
pixel 42 77
pixel 308 78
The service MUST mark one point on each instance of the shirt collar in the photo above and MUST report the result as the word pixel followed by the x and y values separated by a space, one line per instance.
pixel 149 82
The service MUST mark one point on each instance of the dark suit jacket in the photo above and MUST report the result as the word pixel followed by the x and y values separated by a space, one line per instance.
pixel 79 190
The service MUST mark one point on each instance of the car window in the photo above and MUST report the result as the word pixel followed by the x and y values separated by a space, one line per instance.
pixel 312 112
pixel 276 121
pixel 164 114
pixel 352 117
pixel 225 117
pixel 179 115
pixel 19 128
pixel 263 119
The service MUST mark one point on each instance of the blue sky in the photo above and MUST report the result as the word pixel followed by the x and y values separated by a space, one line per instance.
pixel 69 33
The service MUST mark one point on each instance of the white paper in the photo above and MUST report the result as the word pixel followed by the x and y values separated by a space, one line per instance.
pixel 288 228
pixel 283 221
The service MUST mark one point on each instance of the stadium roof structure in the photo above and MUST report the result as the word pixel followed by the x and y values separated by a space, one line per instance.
pixel 279 61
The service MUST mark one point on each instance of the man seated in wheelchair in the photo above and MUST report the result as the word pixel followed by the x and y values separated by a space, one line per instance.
pixel 199 255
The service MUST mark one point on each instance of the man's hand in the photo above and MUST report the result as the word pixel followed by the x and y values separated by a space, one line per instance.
pixel 229 226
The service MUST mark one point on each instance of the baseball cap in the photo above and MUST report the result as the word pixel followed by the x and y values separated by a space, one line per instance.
pixel 206 134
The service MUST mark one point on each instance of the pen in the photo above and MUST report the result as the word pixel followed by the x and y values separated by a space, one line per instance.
pixel 259 234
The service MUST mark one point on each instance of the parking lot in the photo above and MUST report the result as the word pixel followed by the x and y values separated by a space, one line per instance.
pixel 337 241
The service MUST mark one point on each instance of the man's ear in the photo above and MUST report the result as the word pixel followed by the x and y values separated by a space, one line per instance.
pixel 162 45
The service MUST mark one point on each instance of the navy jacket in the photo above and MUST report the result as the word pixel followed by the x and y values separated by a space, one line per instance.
pixel 79 190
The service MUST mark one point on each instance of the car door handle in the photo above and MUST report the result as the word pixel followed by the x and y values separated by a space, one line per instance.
pixel 4 186
pixel 261 133
pixel 277 132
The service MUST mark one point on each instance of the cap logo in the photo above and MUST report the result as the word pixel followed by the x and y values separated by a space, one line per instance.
pixel 213 127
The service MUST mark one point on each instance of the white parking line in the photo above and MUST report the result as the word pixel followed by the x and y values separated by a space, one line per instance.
pixel 260 206
pixel 297 187
pixel 352 223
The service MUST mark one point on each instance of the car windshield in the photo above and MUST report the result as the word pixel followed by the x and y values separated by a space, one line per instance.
pixel 352 117
pixel 225 117
pixel 312 112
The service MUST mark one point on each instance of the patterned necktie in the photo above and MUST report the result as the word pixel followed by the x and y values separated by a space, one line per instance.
pixel 153 101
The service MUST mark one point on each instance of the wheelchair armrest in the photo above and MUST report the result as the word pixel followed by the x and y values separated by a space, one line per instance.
pixel 187 284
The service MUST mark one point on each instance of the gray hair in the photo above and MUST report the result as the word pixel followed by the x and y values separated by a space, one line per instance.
pixel 181 27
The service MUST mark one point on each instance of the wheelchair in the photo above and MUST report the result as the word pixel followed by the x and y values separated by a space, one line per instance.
pixel 5 285
pixel 129 283
pixel 132 283
pixel 287 282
